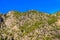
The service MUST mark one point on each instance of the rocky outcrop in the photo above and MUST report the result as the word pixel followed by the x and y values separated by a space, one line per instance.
pixel 2 21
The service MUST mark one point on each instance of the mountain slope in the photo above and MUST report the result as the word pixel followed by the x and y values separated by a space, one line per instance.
pixel 31 25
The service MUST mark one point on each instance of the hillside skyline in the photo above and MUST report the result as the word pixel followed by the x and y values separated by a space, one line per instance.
pixel 31 25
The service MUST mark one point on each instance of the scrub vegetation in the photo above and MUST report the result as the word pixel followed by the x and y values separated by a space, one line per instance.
pixel 31 25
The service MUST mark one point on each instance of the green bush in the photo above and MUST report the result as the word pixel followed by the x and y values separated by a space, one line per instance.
pixel 52 20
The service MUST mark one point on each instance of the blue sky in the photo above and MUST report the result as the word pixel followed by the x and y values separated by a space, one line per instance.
pixel 49 6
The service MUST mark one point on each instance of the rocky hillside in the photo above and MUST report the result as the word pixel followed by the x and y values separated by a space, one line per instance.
pixel 31 25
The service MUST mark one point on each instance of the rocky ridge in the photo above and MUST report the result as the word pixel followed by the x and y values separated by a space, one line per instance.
pixel 31 25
